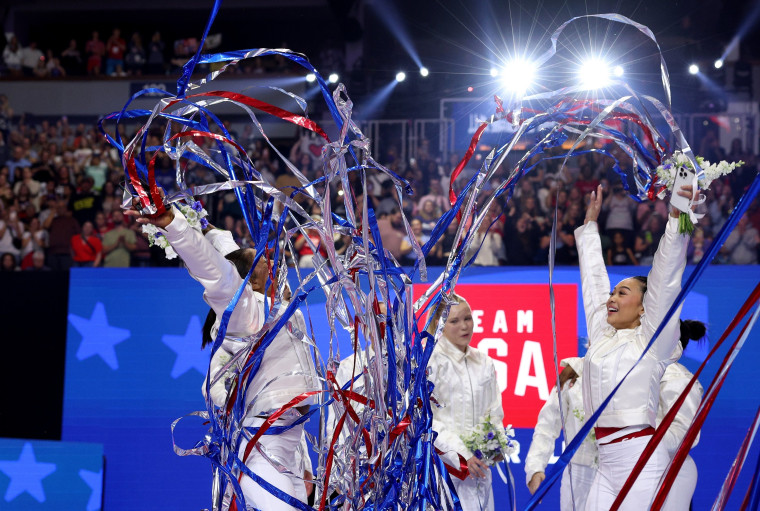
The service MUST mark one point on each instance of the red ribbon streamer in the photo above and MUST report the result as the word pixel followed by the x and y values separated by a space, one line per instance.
pixel 736 468
pixel 691 433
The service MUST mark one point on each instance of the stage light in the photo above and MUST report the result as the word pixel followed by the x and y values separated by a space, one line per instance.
pixel 594 74
pixel 470 89
pixel 333 78
pixel 517 75
pixel 400 76
pixel 693 69
pixel 718 64
pixel 617 71
pixel 424 71
pixel 494 72
pixel 311 77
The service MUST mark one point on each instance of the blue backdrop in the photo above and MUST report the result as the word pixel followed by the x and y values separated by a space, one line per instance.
pixel 134 364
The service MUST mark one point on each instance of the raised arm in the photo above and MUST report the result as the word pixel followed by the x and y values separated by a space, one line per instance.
pixel 595 284
pixel 663 286
pixel 209 267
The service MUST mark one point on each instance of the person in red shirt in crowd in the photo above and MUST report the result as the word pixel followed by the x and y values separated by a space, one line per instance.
pixel 305 253
pixel 115 49
pixel 95 49
pixel 586 183
pixel 86 248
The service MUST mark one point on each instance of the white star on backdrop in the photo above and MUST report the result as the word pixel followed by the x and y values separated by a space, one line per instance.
pixel 26 475
pixel 95 481
pixel 188 349
pixel 98 337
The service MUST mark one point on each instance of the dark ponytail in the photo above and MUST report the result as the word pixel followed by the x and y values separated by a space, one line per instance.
pixel 643 281
pixel 692 330
pixel 242 259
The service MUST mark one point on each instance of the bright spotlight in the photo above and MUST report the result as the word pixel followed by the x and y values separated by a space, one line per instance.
pixel 311 77
pixel 333 78
pixel 594 74
pixel 718 64
pixel 400 76
pixel 424 71
pixel 617 71
pixel 517 75
pixel 693 69
pixel 494 72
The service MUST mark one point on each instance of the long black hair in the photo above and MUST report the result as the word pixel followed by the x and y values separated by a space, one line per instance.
pixel 242 259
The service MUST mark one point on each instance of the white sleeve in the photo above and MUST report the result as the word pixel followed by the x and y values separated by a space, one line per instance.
pixel 223 355
pixel 670 390
pixel 448 440
pixel 595 284
pixel 545 433
pixel 222 241
pixel 216 274
pixel 663 286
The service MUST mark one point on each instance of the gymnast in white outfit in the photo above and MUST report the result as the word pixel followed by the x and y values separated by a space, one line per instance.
pixel 582 468
pixel 620 324
pixel 467 390
pixel 584 461
pixel 286 371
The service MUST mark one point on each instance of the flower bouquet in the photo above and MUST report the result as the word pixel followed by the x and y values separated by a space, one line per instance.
pixel 196 218
pixel 490 442
pixel 666 174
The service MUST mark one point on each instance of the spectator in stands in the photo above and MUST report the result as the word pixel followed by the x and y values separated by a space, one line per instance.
pixel 61 226
pixel 619 254
pixel 586 183
pixel 31 56
pixel 18 161
pixel 619 207
pixel 34 238
pixel 97 168
pixel 156 56
pixel 698 245
pixel 8 262
pixel 115 49
pixel 428 214
pixel 490 243
pixel 94 49
pixel 84 203
pixel 390 226
pixel 135 59
pixel 645 243
pixel 38 262
pixel 567 253
pixel 11 230
pixel 522 240
pixel 12 55
pixel 71 59
pixel 437 195
pixel 741 245
pixel 86 249
pixel 53 66
pixel 118 243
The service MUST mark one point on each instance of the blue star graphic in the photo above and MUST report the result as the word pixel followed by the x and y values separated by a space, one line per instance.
pixel 188 349
pixel 26 475
pixel 95 481
pixel 98 337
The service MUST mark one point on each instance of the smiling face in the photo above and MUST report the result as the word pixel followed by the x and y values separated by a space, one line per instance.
pixel 625 304
pixel 458 327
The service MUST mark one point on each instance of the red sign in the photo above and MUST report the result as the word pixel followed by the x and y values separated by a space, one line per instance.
pixel 512 324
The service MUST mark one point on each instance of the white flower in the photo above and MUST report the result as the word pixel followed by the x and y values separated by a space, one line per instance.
pixel 170 253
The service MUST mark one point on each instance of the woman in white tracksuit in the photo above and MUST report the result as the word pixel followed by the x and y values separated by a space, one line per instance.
pixel 585 460
pixel 286 370
pixel 673 383
pixel 620 324
pixel 466 390
pixel 582 468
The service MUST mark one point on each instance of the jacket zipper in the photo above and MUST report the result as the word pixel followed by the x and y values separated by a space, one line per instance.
pixel 472 396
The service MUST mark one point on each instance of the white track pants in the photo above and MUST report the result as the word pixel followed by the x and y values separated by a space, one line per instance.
pixel 583 476
pixel 615 464
pixel 475 494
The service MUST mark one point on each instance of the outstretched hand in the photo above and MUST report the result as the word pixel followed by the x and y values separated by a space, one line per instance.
pixel 594 205
pixel 160 220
